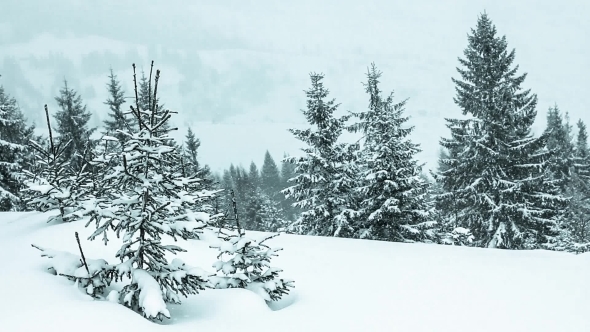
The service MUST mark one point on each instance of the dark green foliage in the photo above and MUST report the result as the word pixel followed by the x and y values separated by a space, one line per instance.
pixel 495 177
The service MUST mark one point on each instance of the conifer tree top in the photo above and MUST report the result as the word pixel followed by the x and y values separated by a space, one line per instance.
pixel 489 88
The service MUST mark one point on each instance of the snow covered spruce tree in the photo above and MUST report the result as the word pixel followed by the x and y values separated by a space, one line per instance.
pixel 269 176
pixel 326 172
pixel 496 176
pixel 72 126
pixel 14 134
pixel 118 119
pixel 191 163
pixel 287 172
pixel 54 185
pixel 559 142
pixel 446 215
pixel 244 262
pixel 150 199
pixel 577 216
pixel 394 204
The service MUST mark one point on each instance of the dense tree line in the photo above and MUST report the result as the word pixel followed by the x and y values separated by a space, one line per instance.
pixel 496 184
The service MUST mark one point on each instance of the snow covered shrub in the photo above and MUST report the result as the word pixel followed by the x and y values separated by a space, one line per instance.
pixel 149 198
pixel 459 236
pixel 55 186
pixel 245 263
pixel 91 275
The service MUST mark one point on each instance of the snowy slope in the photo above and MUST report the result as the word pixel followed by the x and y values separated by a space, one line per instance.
pixel 341 285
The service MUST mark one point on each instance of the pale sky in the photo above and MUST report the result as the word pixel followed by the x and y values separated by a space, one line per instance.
pixel 236 70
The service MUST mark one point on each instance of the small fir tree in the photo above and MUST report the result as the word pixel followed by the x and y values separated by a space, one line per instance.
pixel 244 262
pixel 151 199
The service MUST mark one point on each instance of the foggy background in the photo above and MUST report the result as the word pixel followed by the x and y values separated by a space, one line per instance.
pixel 236 70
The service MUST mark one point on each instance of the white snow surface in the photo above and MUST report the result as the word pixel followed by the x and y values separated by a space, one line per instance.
pixel 341 285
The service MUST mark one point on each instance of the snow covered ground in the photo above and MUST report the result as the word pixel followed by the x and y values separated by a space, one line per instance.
pixel 341 285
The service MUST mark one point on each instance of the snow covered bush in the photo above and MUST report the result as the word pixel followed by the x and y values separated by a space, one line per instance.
pixel 459 236
pixel 91 275
pixel 244 262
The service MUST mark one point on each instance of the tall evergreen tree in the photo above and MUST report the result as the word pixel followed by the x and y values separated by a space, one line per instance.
pixel 323 182
pixel 269 176
pixel 118 119
pixel 192 147
pixel 72 125
pixel 497 172
pixel 394 205
pixel 254 175
pixel 578 213
pixel 582 153
pixel 287 173
pixel 14 135
pixel 559 142
pixel 192 165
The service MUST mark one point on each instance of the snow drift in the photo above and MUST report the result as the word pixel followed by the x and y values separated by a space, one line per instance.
pixel 342 285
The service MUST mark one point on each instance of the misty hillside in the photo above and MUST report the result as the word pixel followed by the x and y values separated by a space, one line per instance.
pixel 239 68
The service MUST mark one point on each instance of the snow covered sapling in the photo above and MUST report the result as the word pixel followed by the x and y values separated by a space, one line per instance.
pixel 459 236
pixel 92 275
pixel 150 199
pixel 55 187
pixel 245 263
